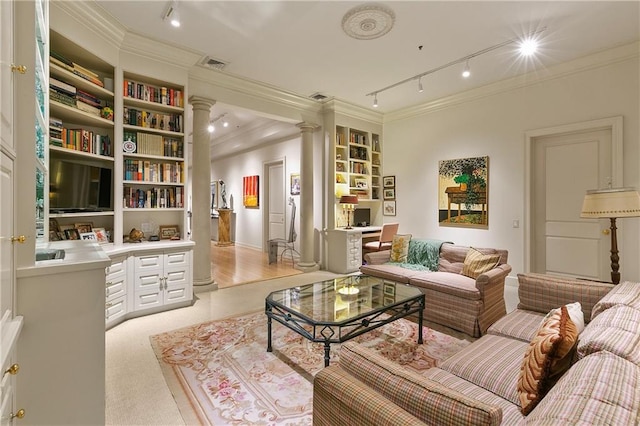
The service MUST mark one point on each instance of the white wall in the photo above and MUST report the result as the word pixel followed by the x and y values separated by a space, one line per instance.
pixel 495 126
pixel 248 229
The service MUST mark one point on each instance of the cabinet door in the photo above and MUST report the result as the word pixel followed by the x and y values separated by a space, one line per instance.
pixel 115 309
pixel 149 281
pixel 176 274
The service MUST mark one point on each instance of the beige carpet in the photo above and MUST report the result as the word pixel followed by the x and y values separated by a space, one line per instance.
pixel 220 373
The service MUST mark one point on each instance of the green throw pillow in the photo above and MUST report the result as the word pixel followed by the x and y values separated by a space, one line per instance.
pixel 400 247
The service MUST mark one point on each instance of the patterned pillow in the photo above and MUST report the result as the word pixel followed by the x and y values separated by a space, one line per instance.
pixel 548 356
pixel 575 312
pixel 477 263
pixel 400 248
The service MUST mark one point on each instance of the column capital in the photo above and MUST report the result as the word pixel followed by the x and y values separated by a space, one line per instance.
pixel 199 102
pixel 306 126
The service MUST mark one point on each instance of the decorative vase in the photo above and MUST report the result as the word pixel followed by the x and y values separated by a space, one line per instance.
pixel 463 186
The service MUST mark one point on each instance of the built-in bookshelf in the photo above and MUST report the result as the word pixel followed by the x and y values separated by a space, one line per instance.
pixel 153 153
pixel 81 142
pixel 358 160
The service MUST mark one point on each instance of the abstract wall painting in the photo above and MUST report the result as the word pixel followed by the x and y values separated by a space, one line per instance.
pixel 251 191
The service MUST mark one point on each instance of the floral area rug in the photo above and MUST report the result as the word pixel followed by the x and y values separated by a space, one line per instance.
pixel 220 373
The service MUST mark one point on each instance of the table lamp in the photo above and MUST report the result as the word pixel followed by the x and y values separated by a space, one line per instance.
pixel 611 203
pixel 348 204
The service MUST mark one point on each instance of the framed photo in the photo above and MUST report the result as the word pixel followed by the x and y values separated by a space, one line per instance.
pixel 168 232
pixel 463 198
pixel 214 196
pixel 54 235
pixel 388 181
pixel 361 183
pixel 250 191
pixel 84 227
pixel 53 226
pixel 295 183
pixel 389 208
pixel 389 193
pixel 101 235
pixel 71 234
pixel 389 289
pixel 88 236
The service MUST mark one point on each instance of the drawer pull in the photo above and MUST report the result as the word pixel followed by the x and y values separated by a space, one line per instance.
pixel 13 370
pixel 19 414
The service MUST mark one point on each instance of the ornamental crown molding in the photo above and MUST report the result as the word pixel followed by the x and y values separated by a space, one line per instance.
pixel 339 106
pixel 157 50
pixel 92 17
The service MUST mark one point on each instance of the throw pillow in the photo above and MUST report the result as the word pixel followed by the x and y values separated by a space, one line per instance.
pixel 575 312
pixel 400 248
pixel 476 263
pixel 549 354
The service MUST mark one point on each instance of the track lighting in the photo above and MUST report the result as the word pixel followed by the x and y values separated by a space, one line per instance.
pixel 172 14
pixel 528 46
pixel 212 128
pixel 466 72
pixel 225 123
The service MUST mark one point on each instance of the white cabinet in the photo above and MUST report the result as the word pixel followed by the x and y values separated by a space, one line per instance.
pixel 116 290
pixel 345 250
pixel 162 279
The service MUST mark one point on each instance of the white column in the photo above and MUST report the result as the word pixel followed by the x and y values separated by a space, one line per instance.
pixel 201 191
pixel 306 263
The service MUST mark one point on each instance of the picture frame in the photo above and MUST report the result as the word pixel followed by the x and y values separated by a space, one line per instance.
pixel 361 183
pixel 463 196
pixel 251 191
pixel 388 181
pixel 101 235
pixel 83 227
pixel 168 232
pixel 54 235
pixel 389 208
pixel 88 236
pixel 53 225
pixel 71 234
pixel 295 184
pixel 214 196
pixel 389 289
pixel 389 193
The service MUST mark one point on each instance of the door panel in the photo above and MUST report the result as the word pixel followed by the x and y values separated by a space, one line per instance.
pixel 276 194
pixel 565 167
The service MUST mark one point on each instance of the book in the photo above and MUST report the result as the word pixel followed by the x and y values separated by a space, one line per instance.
pixel 82 106
pixel 62 86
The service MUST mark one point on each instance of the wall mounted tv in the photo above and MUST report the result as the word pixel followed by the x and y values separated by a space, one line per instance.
pixel 76 187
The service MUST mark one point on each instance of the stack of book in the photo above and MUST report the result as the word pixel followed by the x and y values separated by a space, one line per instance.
pixel 62 92
pixel 152 120
pixel 73 67
pixel 55 131
pixel 88 103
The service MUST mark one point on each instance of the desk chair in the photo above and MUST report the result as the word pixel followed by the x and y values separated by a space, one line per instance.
pixel 386 238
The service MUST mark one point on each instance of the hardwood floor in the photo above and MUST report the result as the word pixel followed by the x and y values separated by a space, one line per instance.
pixel 233 265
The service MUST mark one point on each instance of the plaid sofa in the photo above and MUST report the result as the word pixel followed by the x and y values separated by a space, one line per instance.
pixel 451 299
pixel 478 385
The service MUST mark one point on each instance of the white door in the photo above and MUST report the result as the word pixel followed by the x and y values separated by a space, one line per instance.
pixel 276 196
pixel 565 166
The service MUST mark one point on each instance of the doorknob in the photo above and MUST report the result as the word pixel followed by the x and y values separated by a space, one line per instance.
pixel 20 68
pixel 21 239
pixel 606 231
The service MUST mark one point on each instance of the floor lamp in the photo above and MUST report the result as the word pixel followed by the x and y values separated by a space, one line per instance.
pixel 348 203
pixel 612 203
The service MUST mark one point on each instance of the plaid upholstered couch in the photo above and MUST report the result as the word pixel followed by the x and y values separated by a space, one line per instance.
pixel 479 385
pixel 452 299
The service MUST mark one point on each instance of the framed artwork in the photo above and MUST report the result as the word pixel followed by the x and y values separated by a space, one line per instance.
pixel 88 236
pixel 71 234
pixel 214 196
pixel 389 208
pixel 389 193
pixel 169 232
pixel 388 181
pixel 361 183
pixel 250 191
pixel 53 225
pixel 463 197
pixel 389 289
pixel 54 235
pixel 295 183
pixel 101 235
pixel 84 227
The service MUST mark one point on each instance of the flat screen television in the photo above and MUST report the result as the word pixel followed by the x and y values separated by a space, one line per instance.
pixel 362 216
pixel 76 187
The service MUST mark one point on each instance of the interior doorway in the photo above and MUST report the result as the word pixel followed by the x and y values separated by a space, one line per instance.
pixel 274 217
pixel 564 162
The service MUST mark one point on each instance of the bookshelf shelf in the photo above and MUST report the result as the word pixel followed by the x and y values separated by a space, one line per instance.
pixel 79 82
pixel 75 154
pixel 153 157
pixel 152 130
pixel 74 115
pixel 151 105
pixel 150 183
pixel 81 215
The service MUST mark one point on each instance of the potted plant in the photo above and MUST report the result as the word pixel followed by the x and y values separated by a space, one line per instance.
pixel 463 180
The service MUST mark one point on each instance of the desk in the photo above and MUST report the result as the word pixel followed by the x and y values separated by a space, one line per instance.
pixel 459 197
pixel 345 247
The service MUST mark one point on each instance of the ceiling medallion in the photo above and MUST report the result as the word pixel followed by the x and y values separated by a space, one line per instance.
pixel 369 21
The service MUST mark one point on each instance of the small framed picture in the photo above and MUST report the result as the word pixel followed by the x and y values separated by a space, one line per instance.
pixel 388 181
pixel 389 208
pixel 71 234
pixel 169 232
pixel 88 236
pixel 101 235
pixel 295 183
pixel 361 183
pixel 54 235
pixel 389 194
pixel 84 227
pixel 53 225
pixel 389 289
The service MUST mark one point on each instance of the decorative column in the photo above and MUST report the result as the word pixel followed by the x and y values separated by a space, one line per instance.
pixel 200 187
pixel 306 263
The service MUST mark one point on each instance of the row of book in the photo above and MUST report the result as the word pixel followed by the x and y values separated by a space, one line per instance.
pixel 150 144
pixel 359 168
pixel 80 71
pixel 78 139
pixel 148 171
pixel 152 120
pixel 150 93
pixel 155 198
pixel 357 138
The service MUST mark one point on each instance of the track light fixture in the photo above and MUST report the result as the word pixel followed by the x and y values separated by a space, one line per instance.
pixel 528 46
pixel 172 14
pixel 466 72
pixel 420 88
pixel 212 127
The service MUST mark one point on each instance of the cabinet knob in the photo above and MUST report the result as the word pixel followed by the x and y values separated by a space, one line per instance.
pixel 22 69
pixel 13 370
pixel 21 239
pixel 18 414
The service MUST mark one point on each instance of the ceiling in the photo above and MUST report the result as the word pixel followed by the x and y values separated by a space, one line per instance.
pixel 300 46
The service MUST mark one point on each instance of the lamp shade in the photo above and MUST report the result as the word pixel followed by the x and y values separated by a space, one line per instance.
pixel 615 202
pixel 349 199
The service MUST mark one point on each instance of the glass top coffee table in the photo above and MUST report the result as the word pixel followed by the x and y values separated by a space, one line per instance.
pixel 340 309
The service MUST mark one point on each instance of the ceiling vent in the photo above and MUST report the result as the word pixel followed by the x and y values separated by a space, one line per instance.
pixel 318 97
pixel 216 64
